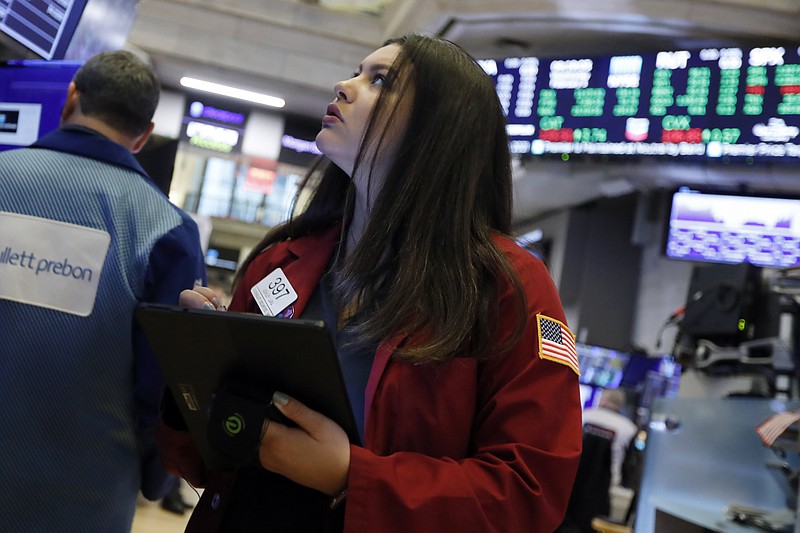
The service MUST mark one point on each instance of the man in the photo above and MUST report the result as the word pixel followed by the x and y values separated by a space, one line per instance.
pixel 608 415
pixel 85 236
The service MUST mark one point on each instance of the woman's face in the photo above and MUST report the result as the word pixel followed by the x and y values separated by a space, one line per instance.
pixel 347 117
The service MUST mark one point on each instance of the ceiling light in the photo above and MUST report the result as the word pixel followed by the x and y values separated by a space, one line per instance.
pixel 232 92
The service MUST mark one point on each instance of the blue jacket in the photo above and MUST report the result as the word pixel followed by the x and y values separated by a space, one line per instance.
pixel 79 387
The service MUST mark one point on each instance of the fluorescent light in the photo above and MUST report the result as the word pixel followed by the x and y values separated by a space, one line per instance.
pixel 233 92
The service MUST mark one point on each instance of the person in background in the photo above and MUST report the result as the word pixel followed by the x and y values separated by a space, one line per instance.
pixel 174 502
pixel 459 365
pixel 84 237
pixel 608 415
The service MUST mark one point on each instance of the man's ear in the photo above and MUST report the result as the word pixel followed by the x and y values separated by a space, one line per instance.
pixel 140 141
pixel 72 102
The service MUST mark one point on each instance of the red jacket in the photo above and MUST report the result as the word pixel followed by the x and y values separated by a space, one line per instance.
pixel 469 446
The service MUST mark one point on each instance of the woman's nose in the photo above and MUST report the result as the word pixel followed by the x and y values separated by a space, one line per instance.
pixel 341 92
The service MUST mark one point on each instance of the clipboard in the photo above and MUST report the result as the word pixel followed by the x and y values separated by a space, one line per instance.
pixel 199 351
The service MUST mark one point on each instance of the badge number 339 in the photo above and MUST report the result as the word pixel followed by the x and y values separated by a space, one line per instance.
pixel 274 293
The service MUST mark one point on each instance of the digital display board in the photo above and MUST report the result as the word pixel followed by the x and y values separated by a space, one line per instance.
pixel 213 127
pixel 43 26
pixel 710 103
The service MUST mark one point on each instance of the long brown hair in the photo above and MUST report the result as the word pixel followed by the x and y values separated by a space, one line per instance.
pixel 426 265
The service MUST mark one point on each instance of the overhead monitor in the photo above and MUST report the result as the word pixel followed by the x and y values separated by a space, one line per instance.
pixel 734 228
pixel 736 104
pixel 66 29
pixel 45 27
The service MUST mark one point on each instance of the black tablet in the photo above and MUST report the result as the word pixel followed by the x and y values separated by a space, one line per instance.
pixel 202 351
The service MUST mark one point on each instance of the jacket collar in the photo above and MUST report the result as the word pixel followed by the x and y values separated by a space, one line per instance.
pixel 312 245
pixel 86 142
pixel 312 255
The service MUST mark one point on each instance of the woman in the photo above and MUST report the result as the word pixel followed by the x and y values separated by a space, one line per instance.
pixel 469 421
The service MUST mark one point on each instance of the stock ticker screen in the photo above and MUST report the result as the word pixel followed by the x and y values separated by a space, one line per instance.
pixel 733 103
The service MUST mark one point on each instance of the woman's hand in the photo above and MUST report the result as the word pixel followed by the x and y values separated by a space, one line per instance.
pixel 201 298
pixel 316 454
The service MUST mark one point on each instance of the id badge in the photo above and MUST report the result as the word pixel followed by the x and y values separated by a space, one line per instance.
pixel 274 293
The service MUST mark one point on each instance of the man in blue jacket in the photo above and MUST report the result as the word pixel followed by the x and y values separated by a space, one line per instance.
pixel 85 236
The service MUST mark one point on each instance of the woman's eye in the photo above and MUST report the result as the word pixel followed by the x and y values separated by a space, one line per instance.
pixel 379 80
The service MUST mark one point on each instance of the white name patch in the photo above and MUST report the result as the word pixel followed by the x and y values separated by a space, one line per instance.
pixel 51 264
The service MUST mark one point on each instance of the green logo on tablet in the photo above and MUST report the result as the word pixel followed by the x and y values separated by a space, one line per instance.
pixel 234 424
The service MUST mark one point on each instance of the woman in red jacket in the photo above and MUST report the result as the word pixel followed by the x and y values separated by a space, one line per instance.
pixel 460 368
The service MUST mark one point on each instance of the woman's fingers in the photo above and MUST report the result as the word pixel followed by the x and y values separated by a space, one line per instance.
pixel 316 454
pixel 210 295
pixel 313 422
pixel 200 298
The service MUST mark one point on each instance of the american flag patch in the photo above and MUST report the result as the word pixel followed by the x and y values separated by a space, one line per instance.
pixel 770 429
pixel 556 343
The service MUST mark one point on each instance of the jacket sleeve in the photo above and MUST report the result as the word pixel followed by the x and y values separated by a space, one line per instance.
pixel 175 264
pixel 523 452
pixel 179 454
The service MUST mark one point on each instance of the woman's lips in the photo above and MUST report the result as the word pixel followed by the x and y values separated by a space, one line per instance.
pixel 332 114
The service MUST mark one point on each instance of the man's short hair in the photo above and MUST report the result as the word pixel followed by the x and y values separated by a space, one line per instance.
pixel 613 399
pixel 119 89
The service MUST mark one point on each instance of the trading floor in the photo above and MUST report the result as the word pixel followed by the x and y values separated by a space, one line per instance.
pixel 151 518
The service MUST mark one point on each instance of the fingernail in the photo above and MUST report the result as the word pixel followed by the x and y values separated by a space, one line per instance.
pixel 209 306
pixel 215 301
pixel 280 398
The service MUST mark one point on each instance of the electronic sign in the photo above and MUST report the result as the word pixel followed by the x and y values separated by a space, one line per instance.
pixel 298 143
pixel 732 103
pixel 213 127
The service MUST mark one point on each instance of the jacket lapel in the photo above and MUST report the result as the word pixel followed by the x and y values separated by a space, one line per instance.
pixel 311 256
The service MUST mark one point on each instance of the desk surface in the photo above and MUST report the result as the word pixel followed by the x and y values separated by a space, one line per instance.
pixel 714 458
pixel 687 517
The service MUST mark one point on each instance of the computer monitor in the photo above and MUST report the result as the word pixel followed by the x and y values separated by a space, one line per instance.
pixel 590 396
pixel 719 227
pixel 600 366
pixel 652 377
pixel 32 95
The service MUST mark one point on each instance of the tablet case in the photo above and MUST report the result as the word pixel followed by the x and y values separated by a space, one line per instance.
pixel 202 351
